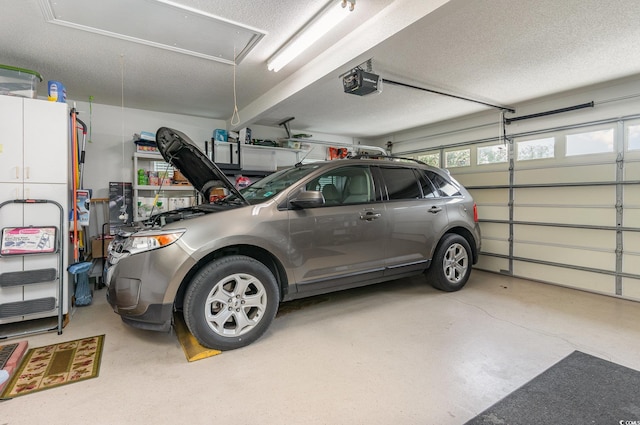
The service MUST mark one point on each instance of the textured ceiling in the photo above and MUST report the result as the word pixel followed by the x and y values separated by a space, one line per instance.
pixel 501 51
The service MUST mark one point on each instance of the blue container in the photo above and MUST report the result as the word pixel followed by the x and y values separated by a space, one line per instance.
pixel 220 135
pixel 57 92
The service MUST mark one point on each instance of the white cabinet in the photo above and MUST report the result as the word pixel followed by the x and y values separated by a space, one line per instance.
pixel 34 151
pixel 169 196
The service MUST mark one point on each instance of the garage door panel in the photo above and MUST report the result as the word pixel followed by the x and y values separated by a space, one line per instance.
pixel 495 246
pixel 595 196
pixel 631 263
pixel 492 264
pixel 631 217
pixel 566 255
pixel 492 212
pixel 575 174
pixel 491 196
pixel 585 238
pixel 588 281
pixel 500 178
pixel 631 288
pixel 631 194
pixel 632 170
pixel 578 216
pixel 631 241
pixel 494 230
pixel 631 202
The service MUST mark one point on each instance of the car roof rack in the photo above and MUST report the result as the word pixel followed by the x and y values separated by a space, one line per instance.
pixel 387 157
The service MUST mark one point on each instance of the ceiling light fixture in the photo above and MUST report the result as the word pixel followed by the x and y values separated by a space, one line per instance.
pixel 334 12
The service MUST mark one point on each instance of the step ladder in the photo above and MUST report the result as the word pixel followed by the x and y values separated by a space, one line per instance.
pixel 26 240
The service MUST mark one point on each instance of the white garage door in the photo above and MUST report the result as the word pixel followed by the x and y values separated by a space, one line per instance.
pixel 559 206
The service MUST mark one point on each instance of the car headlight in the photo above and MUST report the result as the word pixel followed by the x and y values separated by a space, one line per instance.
pixel 150 240
pixel 147 240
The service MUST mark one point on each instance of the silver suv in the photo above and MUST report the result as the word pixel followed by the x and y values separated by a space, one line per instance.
pixel 303 231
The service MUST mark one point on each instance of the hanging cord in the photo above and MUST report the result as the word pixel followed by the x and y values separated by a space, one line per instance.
pixel 123 210
pixel 235 118
pixel 90 116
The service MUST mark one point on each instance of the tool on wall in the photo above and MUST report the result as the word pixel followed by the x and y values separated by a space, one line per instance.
pixel 74 184
pixel 80 203
pixel 81 153
pixel 80 196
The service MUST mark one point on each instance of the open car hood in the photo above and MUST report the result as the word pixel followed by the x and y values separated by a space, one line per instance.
pixel 180 151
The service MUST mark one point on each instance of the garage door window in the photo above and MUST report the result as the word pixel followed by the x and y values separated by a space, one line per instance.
pixel 432 159
pixel 588 143
pixel 460 158
pixel 492 154
pixel 536 149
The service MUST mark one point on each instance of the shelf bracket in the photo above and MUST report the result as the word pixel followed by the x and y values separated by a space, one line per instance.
pixel 285 124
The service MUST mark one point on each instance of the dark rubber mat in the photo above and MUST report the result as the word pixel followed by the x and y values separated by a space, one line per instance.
pixel 579 389
pixel 5 353
pixel 28 276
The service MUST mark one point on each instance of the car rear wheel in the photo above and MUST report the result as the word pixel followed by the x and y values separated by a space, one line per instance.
pixel 231 302
pixel 451 264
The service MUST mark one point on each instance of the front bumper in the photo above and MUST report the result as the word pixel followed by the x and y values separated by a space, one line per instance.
pixel 142 287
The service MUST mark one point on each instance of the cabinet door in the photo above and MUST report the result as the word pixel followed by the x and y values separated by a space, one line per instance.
pixel 46 146
pixel 9 191
pixel 11 156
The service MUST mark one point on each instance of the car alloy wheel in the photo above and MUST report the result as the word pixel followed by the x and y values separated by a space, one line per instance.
pixel 235 305
pixel 455 263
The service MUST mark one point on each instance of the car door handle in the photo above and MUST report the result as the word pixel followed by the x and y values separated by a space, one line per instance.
pixel 369 215
pixel 435 210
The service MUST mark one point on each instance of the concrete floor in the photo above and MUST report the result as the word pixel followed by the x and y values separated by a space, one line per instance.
pixel 399 352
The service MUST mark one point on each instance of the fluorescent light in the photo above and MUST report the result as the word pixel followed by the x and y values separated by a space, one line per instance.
pixel 331 16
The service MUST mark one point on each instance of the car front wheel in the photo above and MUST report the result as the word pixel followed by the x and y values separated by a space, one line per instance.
pixel 231 302
pixel 451 264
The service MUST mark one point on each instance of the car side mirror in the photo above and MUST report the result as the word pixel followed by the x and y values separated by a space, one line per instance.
pixel 308 199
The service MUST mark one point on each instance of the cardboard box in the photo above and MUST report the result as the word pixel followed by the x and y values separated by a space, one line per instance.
pixel 97 244
pixel 290 144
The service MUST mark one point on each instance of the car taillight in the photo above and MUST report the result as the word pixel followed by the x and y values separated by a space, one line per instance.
pixel 475 212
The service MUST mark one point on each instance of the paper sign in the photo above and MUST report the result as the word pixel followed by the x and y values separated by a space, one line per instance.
pixel 28 240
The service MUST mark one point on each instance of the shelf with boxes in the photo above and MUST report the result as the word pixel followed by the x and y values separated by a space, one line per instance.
pixel 254 160
pixel 158 187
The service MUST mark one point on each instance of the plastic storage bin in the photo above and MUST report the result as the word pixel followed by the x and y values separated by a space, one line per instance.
pixel 19 82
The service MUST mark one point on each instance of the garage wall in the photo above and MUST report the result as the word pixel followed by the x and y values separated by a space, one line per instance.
pixel 559 197
pixel 109 155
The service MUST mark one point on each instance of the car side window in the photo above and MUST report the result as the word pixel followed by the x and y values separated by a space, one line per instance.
pixel 345 185
pixel 443 186
pixel 401 182
pixel 428 190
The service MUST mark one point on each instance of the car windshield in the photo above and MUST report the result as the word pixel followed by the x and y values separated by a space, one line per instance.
pixel 272 184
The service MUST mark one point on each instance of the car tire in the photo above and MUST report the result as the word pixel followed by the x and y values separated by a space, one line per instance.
pixel 231 302
pixel 451 264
